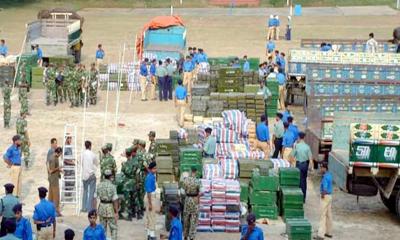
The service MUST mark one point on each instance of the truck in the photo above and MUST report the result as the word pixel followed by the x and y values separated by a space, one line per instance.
pixel 367 167
pixel 161 38
pixel 58 32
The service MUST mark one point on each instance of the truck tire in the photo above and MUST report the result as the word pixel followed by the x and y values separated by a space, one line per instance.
pixel 363 190
pixel 390 202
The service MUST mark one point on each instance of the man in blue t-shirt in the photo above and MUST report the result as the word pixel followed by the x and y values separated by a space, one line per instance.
pixel 144 73
pixel 282 88
pixel 251 231
pixel 180 102
pixel 99 56
pixel 150 189
pixel 326 190
pixel 262 133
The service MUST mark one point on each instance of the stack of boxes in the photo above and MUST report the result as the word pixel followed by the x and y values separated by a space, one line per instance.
pixel 201 89
pixel 298 229
pixel 165 170
pixel 255 106
pixel 232 214
pixel 62 60
pixel 251 78
pixel 199 105
pixel 218 208
pixel 246 168
pixel 263 195
pixel 169 147
pixel 251 129
pixel 291 196
pixel 170 197
pixel 204 221
pixel 272 103
pixel 190 157
pixel 230 80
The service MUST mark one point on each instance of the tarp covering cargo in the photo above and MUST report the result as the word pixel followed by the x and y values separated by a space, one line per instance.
pixel 156 23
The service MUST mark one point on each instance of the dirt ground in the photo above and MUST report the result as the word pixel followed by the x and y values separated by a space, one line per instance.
pixel 219 36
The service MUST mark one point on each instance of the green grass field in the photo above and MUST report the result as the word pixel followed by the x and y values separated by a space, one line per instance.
pixel 78 4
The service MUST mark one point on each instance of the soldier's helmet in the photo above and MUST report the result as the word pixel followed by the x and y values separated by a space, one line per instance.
pixel 152 134
pixel 107 172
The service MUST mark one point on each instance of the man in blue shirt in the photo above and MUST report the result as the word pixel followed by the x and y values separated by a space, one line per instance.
pixel 251 231
pixel 325 223
pixel 176 231
pixel 277 24
pixel 180 102
pixel 282 62
pixel 99 56
pixel 3 48
pixel 287 144
pixel 282 88
pixel 39 54
pixel 150 188
pixel 13 160
pixel 285 115
pixel 44 216
pixel 24 228
pixel 271 23
pixel 262 132
pixel 293 128
pixel 246 64
pixel 325 47
pixel 202 57
pixel 69 234
pixel 153 79
pixel 94 231
pixel 270 47
pixel 188 68
pixel 144 73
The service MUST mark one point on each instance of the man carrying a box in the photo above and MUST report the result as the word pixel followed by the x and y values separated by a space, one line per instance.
pixel 325 223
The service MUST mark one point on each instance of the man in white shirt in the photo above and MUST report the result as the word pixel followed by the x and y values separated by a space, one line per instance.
pixel 372 44
pixel 89 169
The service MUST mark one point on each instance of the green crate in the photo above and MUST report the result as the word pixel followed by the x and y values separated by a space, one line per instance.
pixel 363 152
pixel 244 191
pixel 289 213
pixel 292 198
pixel 262 197
pixel 298 226
pixel 388 154
pixel 164 162
pixel 300 236
pixel 291 172
pixel 165 177
pixel 224 72
pixel 263 211
pixel 268 183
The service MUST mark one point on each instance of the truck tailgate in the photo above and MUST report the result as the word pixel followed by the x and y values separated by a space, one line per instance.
pixel 338 166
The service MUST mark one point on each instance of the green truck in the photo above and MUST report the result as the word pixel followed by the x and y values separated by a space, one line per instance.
pixel 365 158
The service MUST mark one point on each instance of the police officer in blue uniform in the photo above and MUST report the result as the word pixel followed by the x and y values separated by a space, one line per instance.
pixel 44 216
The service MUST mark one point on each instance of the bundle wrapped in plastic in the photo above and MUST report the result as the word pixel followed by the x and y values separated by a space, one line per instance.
pixel 235 120
pixel 226 135
pixel 211 171
pixel 204 228
pixel 218 185
pixel 205 186
pixel 205 207
pixel 230 169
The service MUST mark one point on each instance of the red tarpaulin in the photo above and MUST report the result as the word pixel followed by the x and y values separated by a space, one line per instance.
pixel 156 23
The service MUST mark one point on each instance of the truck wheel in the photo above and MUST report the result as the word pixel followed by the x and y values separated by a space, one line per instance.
pixel 390 202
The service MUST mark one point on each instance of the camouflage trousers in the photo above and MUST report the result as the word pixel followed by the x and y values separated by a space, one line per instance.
pixel 129 204
pixel 65 93
pixel 190 216
pixel 108 222
pixel 92 96
pixel 24 105
pixel 7 115
pixel 48 95
pixel 53 96
pixel 59 94
pixel 25 150
pixel 140 194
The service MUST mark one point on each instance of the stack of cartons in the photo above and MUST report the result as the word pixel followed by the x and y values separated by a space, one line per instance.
pixel 251 88
pixel 201 89
pixel 165 170
pixel 170 197
pixel 215 107
pixel 199 105
pixel 263 195
pixel 298 229
pixel 291 196
pixel 190 157
pixel 272 103
pixel 250 78
pixel 61 60
pixel 169 147
pixel 218 208
pixel 251 129
pixel 230 80
pixel 232 214
pixel 204 221
pixel 246 168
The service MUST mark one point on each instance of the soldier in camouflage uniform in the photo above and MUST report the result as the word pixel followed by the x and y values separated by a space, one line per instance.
pixel 22 131
pixel 7 104
pixel 65 86
pixel 23 93
pixel 141 175
pixel 107 161
pixel 50 84
pixel 59 85
pixel 93 84
pixel 152 148
pixel 108 206
pixel 130 169
pixel 191 185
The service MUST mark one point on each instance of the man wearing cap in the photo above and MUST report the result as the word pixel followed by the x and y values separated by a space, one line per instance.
pixel 152 148
pixel 108 161
pixel 303 156
pixel 6 207
pixel 10 229
pixel 44 216
pixel 54 171
pixel 150 188
pixel 251 231
pixel 24 227
pixel 180 102
pixel 13 160
pixel 326 190
pixel 188 68
pixel 191 185
pixel 108 206
pixel 142 159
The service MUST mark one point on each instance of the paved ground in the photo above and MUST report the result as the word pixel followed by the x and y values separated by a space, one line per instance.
pixel 219 36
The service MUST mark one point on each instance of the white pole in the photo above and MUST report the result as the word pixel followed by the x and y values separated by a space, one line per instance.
pixel 181 1
pixel 119 89
pixel 134 69
pixel 19 60
pixel 172 10
pixel 82 140
pixel 398 4
pixel 287 2
pixel 106 110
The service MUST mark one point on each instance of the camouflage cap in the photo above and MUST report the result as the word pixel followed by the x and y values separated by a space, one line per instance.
pixel 107 172
pixel 129 151
pixel 135 141
pixel 152 134
pixel 142 142
pixel 109 146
